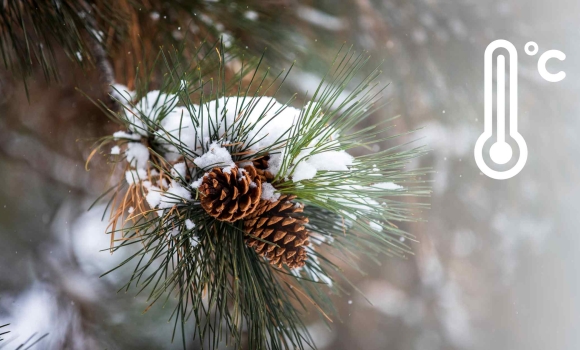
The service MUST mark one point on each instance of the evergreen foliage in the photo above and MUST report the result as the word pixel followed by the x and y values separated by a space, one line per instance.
pixel 229 292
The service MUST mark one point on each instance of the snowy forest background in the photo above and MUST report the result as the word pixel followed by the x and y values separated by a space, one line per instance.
pixel 496 266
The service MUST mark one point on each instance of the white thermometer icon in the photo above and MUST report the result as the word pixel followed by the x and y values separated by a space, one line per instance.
pixel 501 152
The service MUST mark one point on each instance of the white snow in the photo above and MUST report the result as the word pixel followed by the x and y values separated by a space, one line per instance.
pixel 269 192
pixel 195 127
pixel 387 186
pixel 122 93
pixel 134 176
pixel 197 182
pixel 270 120
pixel 375 226
pixel 137 155
pixel 271 124
pixel 303 171
pixel 331 161
pixel 177 127
pixel 155 102
pixel 217 156
pixel 149 108
pixel 179 170
pixel 175 194
pixel 320 238
pixel 115 150
pixel 124 135
pixel 153 197
pixel 189 224
pixel 162 183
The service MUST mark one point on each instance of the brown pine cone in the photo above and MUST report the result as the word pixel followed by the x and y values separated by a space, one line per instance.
pixel 231 196
pixel 261 164
pixel 278 223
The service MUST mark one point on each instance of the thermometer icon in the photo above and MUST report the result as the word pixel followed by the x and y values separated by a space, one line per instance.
pixel 501 152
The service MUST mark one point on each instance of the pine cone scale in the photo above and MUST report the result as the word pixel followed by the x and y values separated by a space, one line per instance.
pixel 267 233
pixel 262 221
pixel 236 193
pixel 287 221
pixel 279 235
pixel 275 219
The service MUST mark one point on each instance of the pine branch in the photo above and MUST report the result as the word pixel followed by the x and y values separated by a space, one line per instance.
pixel 119 34
pixel 202 120
pixel 104 67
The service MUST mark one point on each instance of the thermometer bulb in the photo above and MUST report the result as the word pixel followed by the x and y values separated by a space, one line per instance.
pixel 500 152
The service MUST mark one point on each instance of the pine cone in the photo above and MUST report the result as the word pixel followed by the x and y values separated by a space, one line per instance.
pixel 231 196
pixel 261 164
pixel 278 223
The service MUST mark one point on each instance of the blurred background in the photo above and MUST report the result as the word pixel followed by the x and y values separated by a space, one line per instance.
pixel 496 266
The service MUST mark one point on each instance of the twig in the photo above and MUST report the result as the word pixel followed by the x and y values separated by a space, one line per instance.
pixel 102 63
